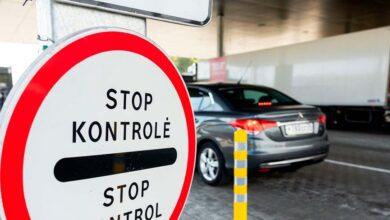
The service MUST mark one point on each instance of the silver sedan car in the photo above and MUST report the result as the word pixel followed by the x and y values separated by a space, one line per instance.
pixel 281 131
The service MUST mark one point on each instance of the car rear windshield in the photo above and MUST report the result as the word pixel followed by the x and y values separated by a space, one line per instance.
pixel 255 97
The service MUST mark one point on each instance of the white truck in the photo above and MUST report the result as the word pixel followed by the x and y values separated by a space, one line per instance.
pixel 346 76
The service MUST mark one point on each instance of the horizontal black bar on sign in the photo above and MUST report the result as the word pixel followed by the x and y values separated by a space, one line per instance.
pixel 87 167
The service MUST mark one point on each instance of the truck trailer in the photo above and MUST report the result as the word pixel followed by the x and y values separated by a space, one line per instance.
pixel 347 76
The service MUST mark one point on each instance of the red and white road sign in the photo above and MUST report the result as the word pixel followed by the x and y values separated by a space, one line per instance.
pixel 99 127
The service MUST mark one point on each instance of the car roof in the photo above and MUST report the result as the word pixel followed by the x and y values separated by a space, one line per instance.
pixel 219 85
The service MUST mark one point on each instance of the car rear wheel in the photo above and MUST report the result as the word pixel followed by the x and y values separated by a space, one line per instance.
pixel 211 164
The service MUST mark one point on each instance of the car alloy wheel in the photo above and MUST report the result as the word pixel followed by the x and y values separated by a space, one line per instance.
pixel 209 164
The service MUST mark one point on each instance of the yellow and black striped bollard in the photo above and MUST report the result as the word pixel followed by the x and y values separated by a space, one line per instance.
pixel 240 175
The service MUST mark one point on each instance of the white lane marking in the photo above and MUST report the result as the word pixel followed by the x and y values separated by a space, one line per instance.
pixel 358 166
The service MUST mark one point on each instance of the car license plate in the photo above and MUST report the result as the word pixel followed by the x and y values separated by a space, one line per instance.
pixel 299 129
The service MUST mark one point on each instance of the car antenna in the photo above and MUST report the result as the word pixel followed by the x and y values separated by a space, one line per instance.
pixel 246 71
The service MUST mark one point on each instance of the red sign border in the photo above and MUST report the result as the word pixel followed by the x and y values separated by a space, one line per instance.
pixel 22 117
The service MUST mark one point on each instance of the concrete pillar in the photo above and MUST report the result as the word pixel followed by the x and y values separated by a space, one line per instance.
pixel 220 30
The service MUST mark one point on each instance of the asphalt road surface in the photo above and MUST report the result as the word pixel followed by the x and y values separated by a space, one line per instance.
pixel 353 183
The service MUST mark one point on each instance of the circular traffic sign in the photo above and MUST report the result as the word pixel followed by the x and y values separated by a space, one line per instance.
pixel 100 127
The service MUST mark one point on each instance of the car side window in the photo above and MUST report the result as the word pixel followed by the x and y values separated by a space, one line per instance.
pixel 201 101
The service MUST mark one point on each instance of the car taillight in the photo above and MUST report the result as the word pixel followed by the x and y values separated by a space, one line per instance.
pixel 322 119
pixel 253 125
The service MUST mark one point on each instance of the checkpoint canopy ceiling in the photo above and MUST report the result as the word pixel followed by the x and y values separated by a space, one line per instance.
pixel 248 24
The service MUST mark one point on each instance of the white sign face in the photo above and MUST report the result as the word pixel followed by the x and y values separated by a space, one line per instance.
pixel 191 12
pixel 100 128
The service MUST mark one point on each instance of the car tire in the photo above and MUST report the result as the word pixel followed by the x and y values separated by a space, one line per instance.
pixel 211 165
